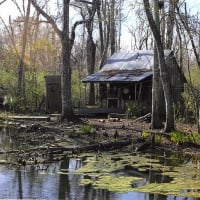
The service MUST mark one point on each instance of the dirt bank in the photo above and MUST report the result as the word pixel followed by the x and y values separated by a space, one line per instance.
pixel 44 142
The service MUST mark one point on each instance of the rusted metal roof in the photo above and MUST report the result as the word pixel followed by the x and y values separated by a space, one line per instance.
pixel 126 66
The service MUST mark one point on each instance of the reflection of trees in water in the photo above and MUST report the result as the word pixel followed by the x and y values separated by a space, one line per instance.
pixel 31 179
pixel 69 187
pixel 64 186
pixel 68 183
pixel 5 140
pixel 34 183
pixel 20 190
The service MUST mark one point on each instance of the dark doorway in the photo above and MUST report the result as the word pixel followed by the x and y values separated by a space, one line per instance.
pixel 53 94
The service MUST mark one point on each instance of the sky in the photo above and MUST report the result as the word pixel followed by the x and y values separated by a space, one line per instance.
pixel 9 9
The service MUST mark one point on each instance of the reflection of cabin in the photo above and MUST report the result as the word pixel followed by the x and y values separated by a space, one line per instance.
pixel 126 77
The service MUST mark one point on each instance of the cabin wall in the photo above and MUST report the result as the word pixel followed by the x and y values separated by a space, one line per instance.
pixel 120 95
pixel 176 78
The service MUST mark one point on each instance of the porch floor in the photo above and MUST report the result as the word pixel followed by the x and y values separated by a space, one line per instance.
pixel 97 111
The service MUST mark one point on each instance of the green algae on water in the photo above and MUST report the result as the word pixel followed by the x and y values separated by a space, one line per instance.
pixel 132 173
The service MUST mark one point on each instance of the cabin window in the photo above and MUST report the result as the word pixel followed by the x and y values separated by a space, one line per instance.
pixel 112 102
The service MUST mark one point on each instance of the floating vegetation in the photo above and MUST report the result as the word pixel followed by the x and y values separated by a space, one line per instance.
pixel 141 173
pixel 119 184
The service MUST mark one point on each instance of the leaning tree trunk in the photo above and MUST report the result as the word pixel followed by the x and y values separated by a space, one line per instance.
pixel 169 126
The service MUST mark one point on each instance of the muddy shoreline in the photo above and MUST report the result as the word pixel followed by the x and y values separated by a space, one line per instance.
pixel 44 142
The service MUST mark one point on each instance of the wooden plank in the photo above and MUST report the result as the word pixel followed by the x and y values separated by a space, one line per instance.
pixel 29 117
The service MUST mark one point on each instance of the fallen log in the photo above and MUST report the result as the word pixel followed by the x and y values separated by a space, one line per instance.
pixel 144 146
pixel 105 145
pixel 145 118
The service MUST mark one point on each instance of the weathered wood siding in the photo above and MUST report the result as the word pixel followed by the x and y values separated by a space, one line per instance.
pixel 176 78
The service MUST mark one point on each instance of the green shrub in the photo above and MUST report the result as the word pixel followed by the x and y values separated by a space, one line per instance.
pixel 86 129
pixel 145 134
pixel 179 137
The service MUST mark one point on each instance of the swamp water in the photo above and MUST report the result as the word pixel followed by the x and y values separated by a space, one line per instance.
pixel 117 175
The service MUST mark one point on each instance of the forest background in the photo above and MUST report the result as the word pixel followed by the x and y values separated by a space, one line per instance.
pixel 28 39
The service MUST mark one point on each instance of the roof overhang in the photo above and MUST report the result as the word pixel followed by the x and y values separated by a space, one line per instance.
pixel 123 77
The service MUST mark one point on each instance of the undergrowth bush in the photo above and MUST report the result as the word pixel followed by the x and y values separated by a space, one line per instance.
pixel 86 129
pixel 180 137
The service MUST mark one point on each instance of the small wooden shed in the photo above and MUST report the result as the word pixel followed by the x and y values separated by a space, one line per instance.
pixel 53 94
pixel 126 78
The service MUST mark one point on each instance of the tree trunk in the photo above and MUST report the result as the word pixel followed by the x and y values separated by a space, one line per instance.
pixel 21 82
pixel 157 95
pixel 67 111
pixel 100 27
pixel 91 52
pixel 169 126
pixel 112 27
pixel 184 21
pixel 170 24
pixel 156 119
pixel 67 44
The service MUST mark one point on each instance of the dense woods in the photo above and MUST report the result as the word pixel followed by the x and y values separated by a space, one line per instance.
pixel 74 38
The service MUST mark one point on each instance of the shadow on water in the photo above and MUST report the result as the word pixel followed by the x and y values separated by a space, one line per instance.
pixel 59 180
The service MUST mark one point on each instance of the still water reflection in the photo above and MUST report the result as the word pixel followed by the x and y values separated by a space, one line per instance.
pixel 50 184
pixel 58 181
pixel 55 183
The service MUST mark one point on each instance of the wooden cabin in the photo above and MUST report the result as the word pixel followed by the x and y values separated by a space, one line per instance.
pixel 126 78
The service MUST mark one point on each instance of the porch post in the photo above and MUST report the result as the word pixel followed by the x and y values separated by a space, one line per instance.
pixel 139 94
pixel 135 91
pixel 85 93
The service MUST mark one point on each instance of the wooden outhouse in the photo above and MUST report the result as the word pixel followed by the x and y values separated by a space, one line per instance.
pixel 53 94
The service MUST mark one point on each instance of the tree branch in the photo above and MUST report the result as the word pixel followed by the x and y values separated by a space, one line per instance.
pixel 83 1
pixel 49 18
pixel 2 2
pixel 82 22
pixel 188 30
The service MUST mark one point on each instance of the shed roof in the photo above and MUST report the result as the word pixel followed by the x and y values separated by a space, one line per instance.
pixel 126 66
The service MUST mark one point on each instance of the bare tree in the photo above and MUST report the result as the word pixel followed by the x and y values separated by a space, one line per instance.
pixel 184 20
pixel 91 51
pixel 157 97
pixel 140 31
pixel 67 42
pixel 169 125
pixel 21 81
